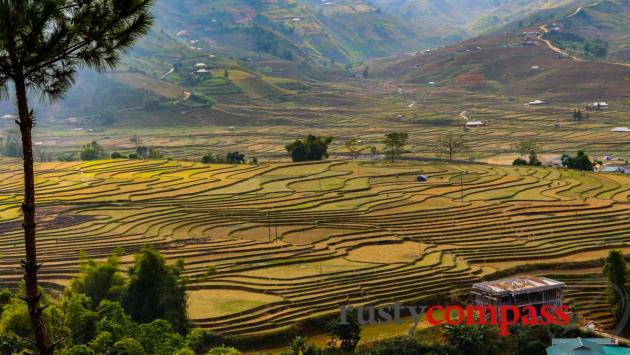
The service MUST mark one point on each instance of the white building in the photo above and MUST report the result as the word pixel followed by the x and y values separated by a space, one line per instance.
pixel 621 129
pixel 475 124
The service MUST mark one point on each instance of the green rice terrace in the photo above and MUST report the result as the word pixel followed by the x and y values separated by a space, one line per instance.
pixel 289 242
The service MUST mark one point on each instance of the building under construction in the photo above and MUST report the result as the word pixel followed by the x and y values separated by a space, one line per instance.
pixel 520 292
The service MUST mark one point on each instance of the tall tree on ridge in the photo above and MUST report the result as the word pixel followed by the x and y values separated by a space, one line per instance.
pixel 42 44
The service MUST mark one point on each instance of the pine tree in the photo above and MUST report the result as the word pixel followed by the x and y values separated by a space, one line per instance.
pixel 42 44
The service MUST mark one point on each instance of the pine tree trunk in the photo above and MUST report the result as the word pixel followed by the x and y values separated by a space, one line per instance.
pixel 30 265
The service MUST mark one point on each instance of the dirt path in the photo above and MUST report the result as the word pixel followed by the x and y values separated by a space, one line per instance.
pixel 578 59
pixel 167 73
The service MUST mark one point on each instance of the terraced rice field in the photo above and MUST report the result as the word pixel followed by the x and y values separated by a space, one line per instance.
pixel 295 241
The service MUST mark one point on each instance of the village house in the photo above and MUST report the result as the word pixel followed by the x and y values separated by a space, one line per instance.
pixel 598 106
pixel 471 124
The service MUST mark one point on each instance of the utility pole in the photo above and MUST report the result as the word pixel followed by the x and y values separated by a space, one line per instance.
pixel 269 227
pixel 461 181
pixel 276 221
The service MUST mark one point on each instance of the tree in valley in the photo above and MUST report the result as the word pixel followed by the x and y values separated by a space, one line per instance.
pixel 616 277
pixel 450 144
pixel 528 149
pixel 312 148
pixel 42 44
pixel 100 280
pixel 352 145
pixel 92 151
pixel 346 334
pixel 235 158
pixel 580 162
pixel 156 290
pixel 394 143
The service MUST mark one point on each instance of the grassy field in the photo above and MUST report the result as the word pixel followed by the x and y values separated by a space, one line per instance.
pixel 286 251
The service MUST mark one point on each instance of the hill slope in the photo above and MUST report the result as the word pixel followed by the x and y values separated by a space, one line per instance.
pixel 453 20
pixel 600 30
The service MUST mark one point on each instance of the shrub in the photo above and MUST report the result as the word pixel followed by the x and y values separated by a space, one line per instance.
pixel 80 350
pixel 223 350
pixel 128 346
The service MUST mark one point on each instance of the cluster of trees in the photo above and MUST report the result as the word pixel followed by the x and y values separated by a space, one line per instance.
pixel 229 158
pixel 529 149
pixel 105 312
pixel 590 48
pixel 266 41
pixel 92 151
pixel 579 162
pixel 312 148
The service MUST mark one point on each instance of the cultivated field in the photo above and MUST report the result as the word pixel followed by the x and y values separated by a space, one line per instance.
pixel 295 241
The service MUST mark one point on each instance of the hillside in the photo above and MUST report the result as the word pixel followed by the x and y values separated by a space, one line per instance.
pixel 306 31
pixel 512 65
pixel 600 30
pixel 454 20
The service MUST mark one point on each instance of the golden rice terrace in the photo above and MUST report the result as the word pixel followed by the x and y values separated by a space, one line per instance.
pixel 294 241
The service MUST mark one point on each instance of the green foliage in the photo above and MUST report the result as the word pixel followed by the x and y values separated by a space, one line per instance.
pixel 345 334
pixel 15 319
pixel 406 345
pixel 580 162
pixel 185 351
pixel 229 158
pixel 11 343
pixel 80 350
pixel 298 346
pixel 615 273
pixel 235 158
pixel 312 148
pixel 5 298
pixel 92 151
pixel 143 152
pixel 80 318
pixel 116 155
pixel 211 270
pixel 394 142
pixel 156 291
pixel 158 338
pixel 519 162
pixel 589 48
pixel 223 350
pixel 470 340
pixel 66 157
pixel 212 159
pixel 100 281
pixel 128 346
pixel 103 343
pixel 114 321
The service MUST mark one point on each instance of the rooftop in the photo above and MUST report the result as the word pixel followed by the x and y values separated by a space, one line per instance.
pixel 518 284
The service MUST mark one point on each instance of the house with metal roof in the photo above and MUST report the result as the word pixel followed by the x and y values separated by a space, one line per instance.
pixel 586 346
